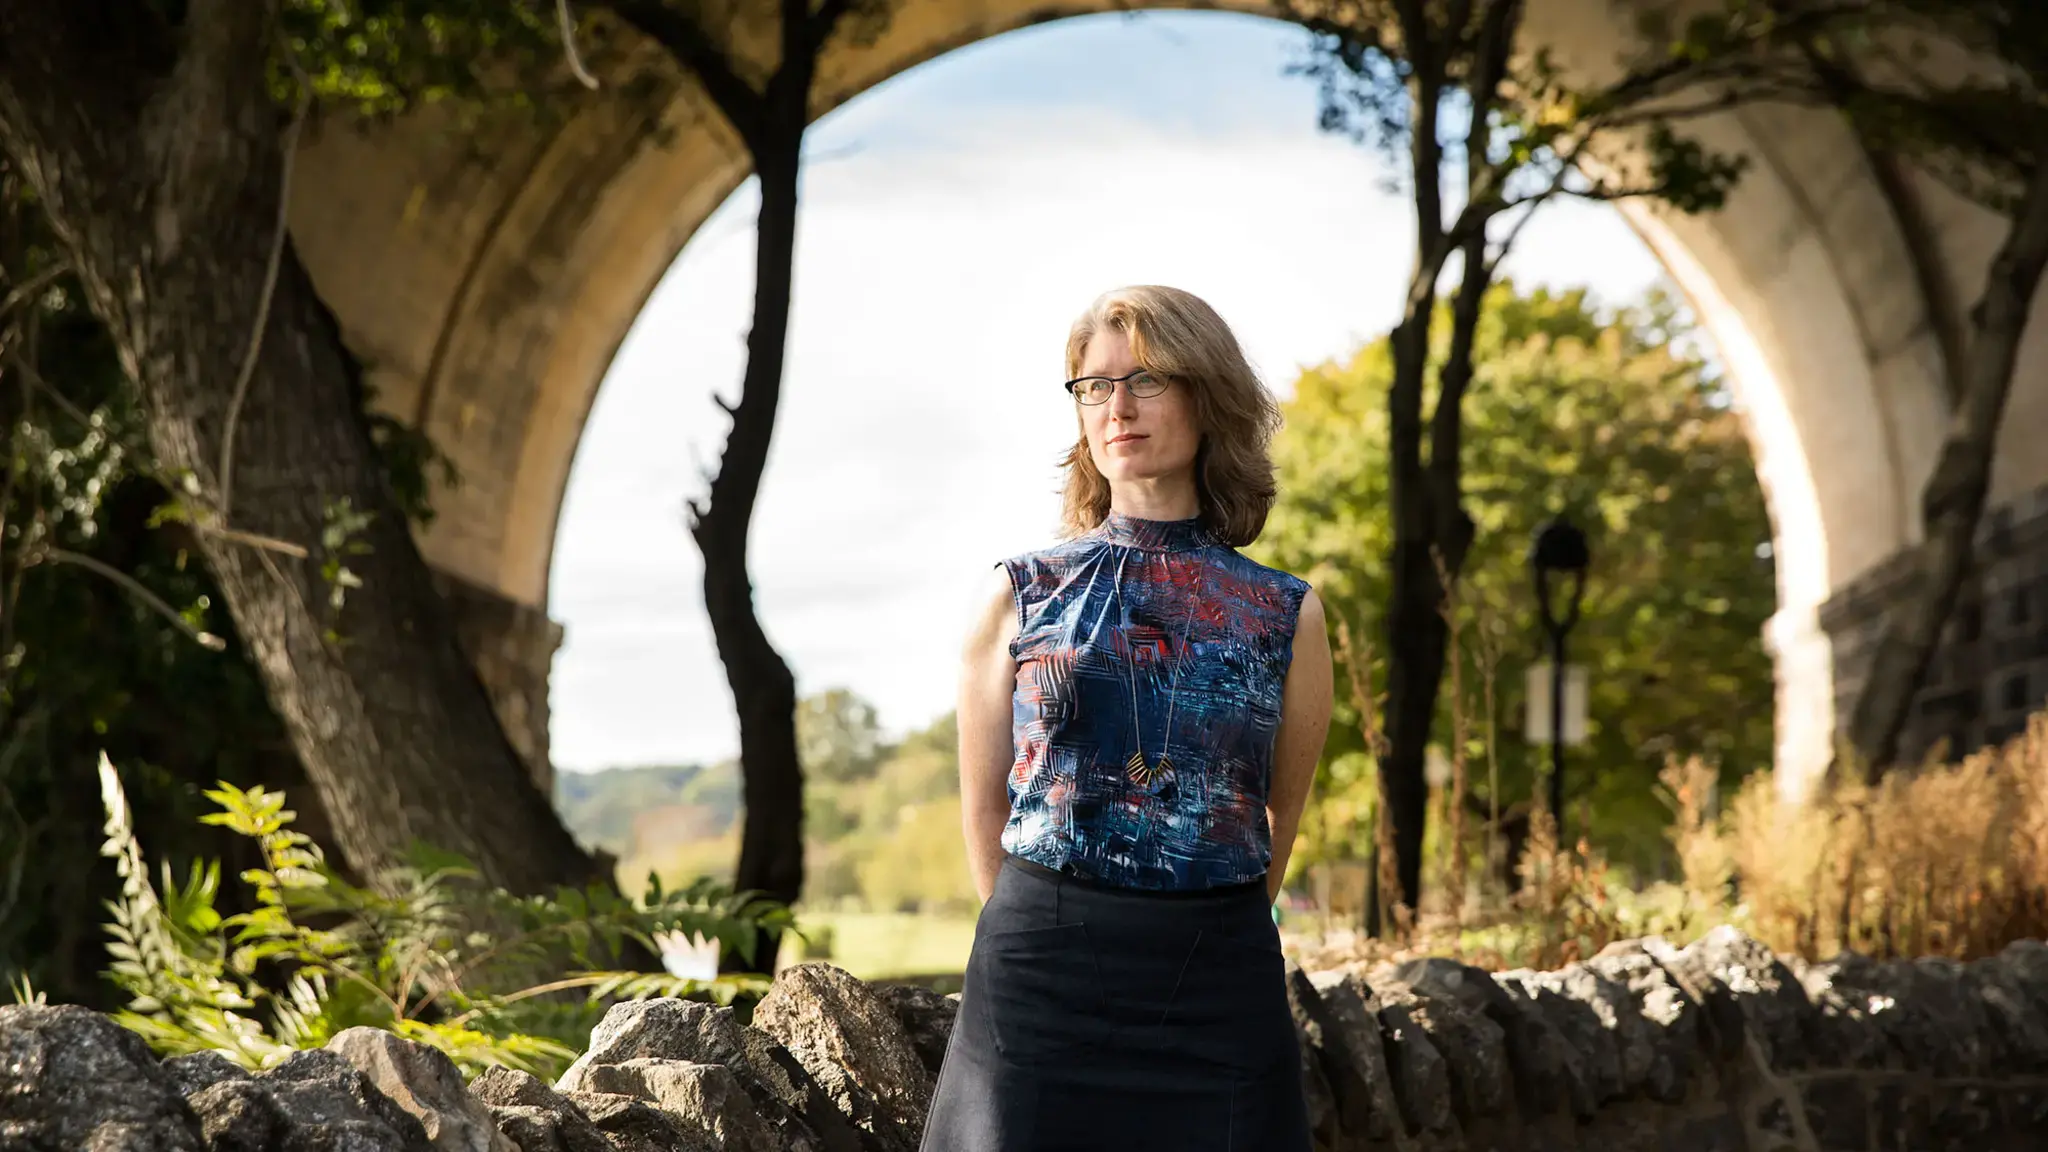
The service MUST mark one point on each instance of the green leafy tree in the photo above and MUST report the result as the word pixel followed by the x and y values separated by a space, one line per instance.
pixel 1616 419
pixel 838 735
pixel 1484 132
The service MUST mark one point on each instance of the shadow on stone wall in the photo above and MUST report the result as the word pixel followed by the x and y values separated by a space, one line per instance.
pixel 1716 1047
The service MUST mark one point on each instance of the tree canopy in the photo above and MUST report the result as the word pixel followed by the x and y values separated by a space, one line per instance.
pixel 1616 417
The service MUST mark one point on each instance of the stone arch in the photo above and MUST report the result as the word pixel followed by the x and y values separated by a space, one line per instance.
pixel 487 298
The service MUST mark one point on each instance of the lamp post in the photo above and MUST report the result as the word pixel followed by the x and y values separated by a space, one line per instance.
pixel 1559 551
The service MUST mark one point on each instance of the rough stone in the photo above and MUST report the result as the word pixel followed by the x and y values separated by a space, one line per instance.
pixel 881 1132
pixel 2016 1004
pixel 1474 1048
pixel 1305 1005
pixel 1929 1015
pixel 1534 1052
pixel 536 1131
pixel 1837 1112
pixel 1962 1117
pixel 1899 1120
pixel 331 1104
pixel 534 1115
pixel 1590 1061
pixel 926 1016
pixel 788 1097
pixel 1354 1055
pixel 426 1083
pixel 1845 1028
pixel 633 1125
pixel 194 1071
pixel 1749 994
pixel 71 1078
pixel 831 1018
pixel 707 1098
pixel 244 1116
pixel 1672 1014
pixel 1420 1075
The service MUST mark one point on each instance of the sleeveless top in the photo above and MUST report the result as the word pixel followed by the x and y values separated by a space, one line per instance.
pixel 1103 620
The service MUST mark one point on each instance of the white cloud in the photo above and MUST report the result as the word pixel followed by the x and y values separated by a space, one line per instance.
pixel 921 414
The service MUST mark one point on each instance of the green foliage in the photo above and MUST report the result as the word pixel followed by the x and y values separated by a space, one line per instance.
pixel 377 58
pixel 838 736
pixel 1510 125
pixel 1612 418
pixel 428 953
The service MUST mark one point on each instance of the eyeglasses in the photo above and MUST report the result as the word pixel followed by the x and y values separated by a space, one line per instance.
pixel 1097 389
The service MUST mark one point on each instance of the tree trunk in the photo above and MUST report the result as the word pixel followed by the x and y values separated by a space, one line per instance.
pixel 771 845
pixel 1953 501
pixel 156 153
pixel 1414 626
pixel 1415 638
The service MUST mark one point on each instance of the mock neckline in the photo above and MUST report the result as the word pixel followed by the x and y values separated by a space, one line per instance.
pixel 1154 535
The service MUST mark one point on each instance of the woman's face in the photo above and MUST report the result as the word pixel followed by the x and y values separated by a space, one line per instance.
pixel 1136 437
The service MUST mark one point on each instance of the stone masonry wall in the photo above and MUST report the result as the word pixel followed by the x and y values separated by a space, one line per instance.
pixel 1716 1047
pixel 1991 669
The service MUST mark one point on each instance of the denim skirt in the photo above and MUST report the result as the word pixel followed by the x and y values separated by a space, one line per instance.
pixel 1100 1019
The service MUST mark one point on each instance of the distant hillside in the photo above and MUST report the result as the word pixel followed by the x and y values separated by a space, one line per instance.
pixel 600 807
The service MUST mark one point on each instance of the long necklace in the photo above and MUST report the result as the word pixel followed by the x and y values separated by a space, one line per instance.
pixel 1136 769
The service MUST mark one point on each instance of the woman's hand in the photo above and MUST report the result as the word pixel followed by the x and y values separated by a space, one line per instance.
pixel 988 680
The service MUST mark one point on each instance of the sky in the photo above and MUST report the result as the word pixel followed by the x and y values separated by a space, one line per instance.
pixel 955 220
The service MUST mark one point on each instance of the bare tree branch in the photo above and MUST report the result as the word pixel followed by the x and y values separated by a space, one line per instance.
pixel 134 587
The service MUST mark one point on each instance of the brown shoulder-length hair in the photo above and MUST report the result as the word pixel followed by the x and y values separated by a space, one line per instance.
pixel 1176 334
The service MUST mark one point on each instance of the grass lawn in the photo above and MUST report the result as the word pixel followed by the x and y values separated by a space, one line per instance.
pixel 882 945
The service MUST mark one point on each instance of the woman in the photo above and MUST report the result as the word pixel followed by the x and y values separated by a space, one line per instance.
pixel 1141 710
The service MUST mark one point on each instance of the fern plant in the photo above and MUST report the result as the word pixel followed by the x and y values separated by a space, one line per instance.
pixel 426 951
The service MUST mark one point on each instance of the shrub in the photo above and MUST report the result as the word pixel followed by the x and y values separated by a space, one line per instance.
pixel 426 951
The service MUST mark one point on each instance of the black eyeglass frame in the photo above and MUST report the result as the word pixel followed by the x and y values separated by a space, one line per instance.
pixel 1127 380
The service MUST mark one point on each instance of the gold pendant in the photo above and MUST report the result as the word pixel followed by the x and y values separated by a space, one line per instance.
pixel 1143 774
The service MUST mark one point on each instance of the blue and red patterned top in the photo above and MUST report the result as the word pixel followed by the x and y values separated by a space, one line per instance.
pixel 1103 620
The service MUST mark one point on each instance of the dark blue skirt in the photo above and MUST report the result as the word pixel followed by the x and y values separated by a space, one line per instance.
pixel 1098 1019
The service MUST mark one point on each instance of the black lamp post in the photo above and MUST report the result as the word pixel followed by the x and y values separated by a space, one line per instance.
pixel 1559 551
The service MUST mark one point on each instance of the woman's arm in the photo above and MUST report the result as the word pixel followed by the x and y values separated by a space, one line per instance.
pixel 1304 721
pixel 988 679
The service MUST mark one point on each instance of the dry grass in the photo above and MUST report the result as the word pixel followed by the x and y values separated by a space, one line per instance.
pixel 1949 860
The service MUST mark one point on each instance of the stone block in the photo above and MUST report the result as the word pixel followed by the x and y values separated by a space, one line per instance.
pixel 71 1078
pixel 425 1083
pixel 1355 1057
pixel 1838 1113
pixel 833 1021
pixel 787 1096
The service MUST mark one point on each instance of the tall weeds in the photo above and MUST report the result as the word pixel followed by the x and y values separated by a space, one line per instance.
pixel 1947 860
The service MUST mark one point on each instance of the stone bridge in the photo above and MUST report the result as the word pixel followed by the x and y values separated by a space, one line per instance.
pixel 486 278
